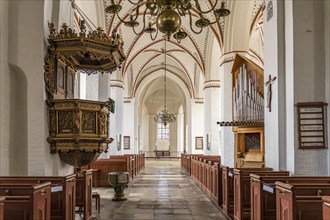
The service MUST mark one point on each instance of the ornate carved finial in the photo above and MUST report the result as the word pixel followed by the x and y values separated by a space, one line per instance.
pixel 64 30
pixel 82 27
pixel 51 28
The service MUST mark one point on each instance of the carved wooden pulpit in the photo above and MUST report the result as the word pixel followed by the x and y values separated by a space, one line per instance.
pixel 78 130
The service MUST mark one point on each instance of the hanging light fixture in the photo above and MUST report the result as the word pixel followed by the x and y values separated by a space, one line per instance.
pixel 164 117
pixel 168 15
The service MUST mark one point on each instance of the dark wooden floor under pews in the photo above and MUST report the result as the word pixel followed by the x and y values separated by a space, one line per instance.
pixel 259 193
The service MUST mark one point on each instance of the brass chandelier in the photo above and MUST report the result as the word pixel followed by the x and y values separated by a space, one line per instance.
pixel 168 15
pixel 164 117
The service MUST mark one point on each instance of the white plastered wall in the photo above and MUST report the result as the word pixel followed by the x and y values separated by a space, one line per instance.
pixel 309 71
pixel 327 65
pixel 275 139
pixel 27 152
pixel 4 90
pixel 305 81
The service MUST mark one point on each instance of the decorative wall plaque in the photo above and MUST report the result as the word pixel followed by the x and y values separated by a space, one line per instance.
pixel 312 125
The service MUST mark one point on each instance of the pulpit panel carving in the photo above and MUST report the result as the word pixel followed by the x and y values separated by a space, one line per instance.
pixel 65 122
pixel 89 122
pixel 78 129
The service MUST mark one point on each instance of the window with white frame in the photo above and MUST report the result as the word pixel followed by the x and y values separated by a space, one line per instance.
pixel 163 132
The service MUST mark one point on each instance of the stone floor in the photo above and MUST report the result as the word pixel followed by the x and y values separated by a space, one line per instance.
pixel 161 191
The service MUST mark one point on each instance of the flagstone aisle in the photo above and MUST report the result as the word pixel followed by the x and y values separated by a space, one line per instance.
pixel 161 191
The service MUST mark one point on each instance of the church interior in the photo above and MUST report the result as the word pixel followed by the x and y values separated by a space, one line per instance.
pixel 164 109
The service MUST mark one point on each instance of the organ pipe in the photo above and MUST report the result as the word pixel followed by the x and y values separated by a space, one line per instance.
pixel 247 96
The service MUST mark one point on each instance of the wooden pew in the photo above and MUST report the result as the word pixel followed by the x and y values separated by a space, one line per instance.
pixel 199 169
pixel 326 207
pixel 132 163
pixel 62 193
pixel 216 184
pixel 263 194
pixel 186 162
pixel 204 172
pixel 2 210
pixel 301 201
pixel 242 193
pixel 84 194
pixel 26 201
pixel 228 188
pixel 113 164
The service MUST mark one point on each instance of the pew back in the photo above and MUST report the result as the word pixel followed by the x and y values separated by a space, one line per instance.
pixel 26 201
pixel 263 195
pixel 228 187
pixel 62 192
pixel 84 193
pixel 242 193
pixel 300 201
pixel 2 204
pixel 326 207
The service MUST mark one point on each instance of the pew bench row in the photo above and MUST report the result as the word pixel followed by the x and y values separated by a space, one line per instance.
pixel 132 163
pixel 259 193
pixel 45 197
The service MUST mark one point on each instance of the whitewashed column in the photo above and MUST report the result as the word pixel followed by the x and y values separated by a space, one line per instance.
pixel 226 133
pixel 211 116
pixel 92 87
pixel 275 137
pixel 197 125
pixel 116 119
pixel 129 123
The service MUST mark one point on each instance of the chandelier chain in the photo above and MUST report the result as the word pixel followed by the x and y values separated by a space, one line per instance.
pixel 165 74
pixel 164 117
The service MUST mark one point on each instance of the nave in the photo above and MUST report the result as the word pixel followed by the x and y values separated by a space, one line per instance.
pixel 161 191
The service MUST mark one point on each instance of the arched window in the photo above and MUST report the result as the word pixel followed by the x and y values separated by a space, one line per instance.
pixel 163 132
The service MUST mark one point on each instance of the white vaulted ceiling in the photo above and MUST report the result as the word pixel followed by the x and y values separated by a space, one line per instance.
pixel 145 57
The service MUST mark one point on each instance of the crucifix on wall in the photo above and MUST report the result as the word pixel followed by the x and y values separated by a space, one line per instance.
pixel 268 84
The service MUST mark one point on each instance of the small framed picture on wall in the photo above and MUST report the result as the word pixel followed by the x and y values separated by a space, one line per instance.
pixel 199 143
pixel 127 142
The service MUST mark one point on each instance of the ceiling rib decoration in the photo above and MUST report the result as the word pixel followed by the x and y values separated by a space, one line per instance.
pixel 194 46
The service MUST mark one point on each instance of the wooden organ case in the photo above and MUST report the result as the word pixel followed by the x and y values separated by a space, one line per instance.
pixel 248 113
